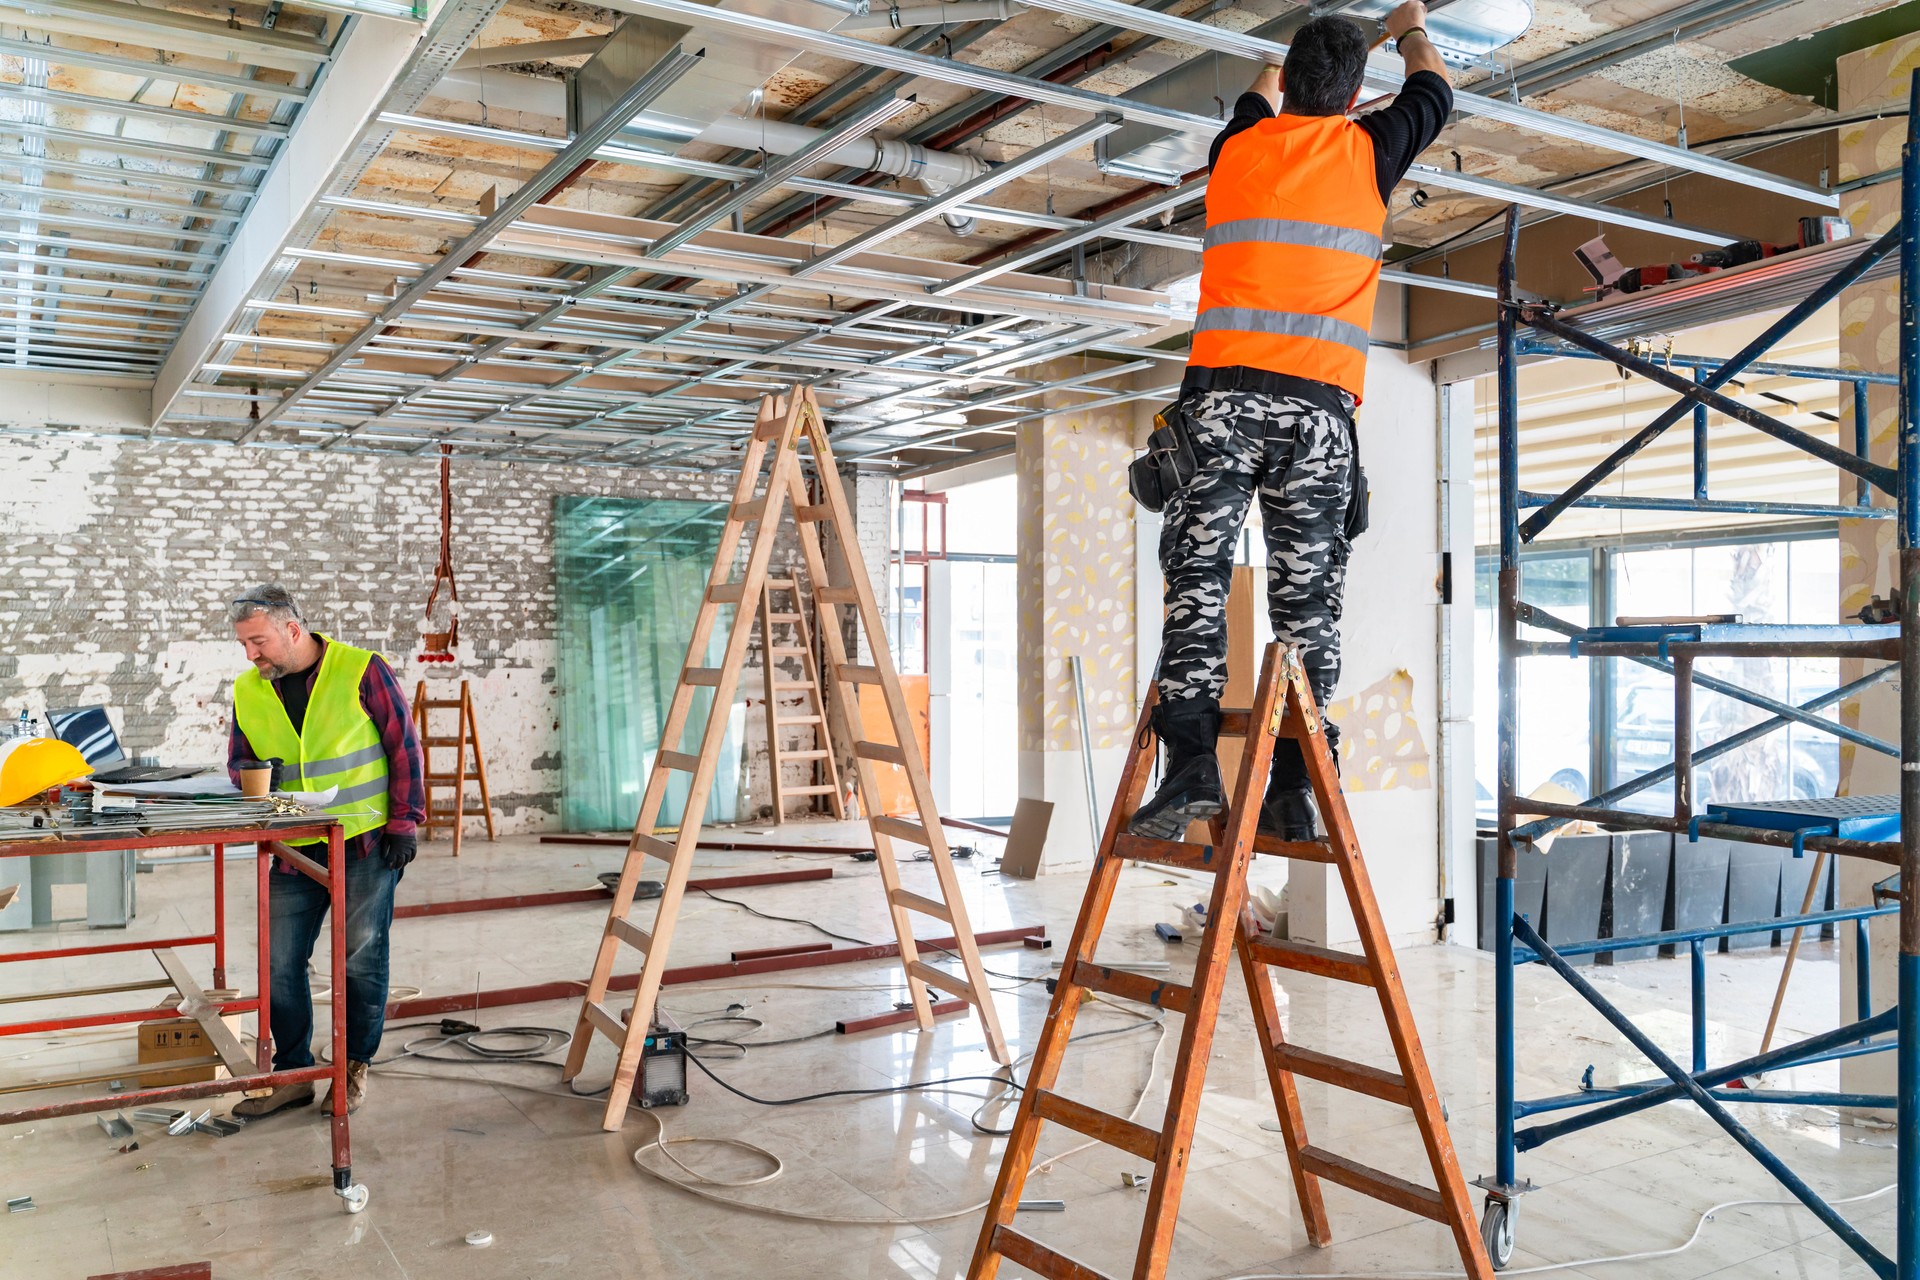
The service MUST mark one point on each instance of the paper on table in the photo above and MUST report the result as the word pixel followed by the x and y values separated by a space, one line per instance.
pixel 312 799
pixel 7 895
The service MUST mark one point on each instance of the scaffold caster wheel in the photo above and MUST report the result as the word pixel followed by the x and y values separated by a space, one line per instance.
pixel 355 1197
pixel 1496 1231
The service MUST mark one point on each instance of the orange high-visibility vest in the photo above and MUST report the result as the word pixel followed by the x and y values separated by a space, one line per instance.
pixel 1291 261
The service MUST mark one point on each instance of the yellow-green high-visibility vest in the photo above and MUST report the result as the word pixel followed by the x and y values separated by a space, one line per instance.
pixel 338 744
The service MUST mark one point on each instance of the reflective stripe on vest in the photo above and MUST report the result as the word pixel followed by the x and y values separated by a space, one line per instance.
pixel 338 744
pixel 1292 231
pixel 1249 320
pixel 1290 266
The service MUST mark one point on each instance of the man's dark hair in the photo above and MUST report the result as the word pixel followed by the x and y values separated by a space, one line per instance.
pixel 1325 63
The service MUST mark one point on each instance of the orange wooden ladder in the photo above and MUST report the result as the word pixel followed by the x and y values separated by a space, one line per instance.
pixel 770 482
pixel 810 716
pixel 1283 705
pixel 465 738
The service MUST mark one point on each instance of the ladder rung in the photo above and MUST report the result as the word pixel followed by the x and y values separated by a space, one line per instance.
pixel 838 595
pixel 449 779
pixel 1388 1086
pixel 1170 853
pixel 813 514
pixel 796 720
pixel 811 753
pixel 793 684
pixel 604 1022
pixel 1103 1126
pixel 1132 986
pixel 884 752
pixel 781 584
pixel 676 760
pixel 786 650
pixel 770 429
pixel 1304 956
pixel 441 742
pixel 783 617
pixel 942 979
pixel 925 906
pixel 653 847
pixel 858 675
pixel 1036 1257
pixel 708 676
pixel 1299 850
pixel 631 934
pixel 901 829
pixel 441 704
pixel 1354 1176
pixel 1233 723
pixel 749 512
pixel 727 593
pixel 807 791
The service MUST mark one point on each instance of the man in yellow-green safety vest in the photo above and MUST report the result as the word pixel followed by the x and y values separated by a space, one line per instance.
pixel 326 715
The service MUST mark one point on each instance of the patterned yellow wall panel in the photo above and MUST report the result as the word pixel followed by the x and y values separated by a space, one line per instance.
pixel 1869 331
pixel 1381 747
pixel 1076 571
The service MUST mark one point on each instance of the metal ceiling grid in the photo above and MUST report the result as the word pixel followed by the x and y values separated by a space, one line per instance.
pixel 551 333
pixel 135 138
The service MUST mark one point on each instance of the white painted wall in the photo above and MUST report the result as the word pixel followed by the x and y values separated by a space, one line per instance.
pixel 1391 623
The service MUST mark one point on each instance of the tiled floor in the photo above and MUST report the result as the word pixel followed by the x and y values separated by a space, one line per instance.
pixel 890 1186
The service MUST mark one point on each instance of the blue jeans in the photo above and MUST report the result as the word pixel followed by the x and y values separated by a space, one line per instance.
pixel 297 905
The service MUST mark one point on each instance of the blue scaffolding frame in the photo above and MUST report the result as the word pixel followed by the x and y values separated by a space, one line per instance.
pixel 1531 328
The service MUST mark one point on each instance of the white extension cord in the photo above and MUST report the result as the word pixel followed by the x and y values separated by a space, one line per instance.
pixel 707 1188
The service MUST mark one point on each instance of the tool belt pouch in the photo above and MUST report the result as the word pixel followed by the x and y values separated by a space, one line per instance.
pixel 1168 464
pixel 1359 504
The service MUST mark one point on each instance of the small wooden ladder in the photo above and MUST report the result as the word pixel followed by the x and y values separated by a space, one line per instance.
pixel 810 716
pixel 771 481
pixel 1283 705
pixel 465 737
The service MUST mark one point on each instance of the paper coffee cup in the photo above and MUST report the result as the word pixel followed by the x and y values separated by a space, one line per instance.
pixel 256 781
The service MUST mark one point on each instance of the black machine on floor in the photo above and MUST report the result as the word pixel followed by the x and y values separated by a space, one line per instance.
pixel 663 1067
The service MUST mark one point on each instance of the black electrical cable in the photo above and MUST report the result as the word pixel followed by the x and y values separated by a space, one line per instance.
pixel 914 1086
pixel 767 915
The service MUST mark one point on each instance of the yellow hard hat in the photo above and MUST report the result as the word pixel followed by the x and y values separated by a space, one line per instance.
pixel 29 766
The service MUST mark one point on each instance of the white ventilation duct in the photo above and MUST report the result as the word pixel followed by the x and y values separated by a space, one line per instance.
pixel 937 171
pixel 898 17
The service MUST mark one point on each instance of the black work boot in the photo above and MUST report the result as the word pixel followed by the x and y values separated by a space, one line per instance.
pixel 1190 788
pixel 1288 811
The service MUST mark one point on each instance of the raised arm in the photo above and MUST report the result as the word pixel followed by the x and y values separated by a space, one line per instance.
pixel 1408 27
pixel 1269 84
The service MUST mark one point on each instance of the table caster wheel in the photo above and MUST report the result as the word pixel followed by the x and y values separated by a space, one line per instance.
pixel 1496 1231
pixel 355 1197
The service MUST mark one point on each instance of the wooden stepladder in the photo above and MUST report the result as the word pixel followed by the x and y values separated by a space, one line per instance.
pixel 771 481
pixel 464 738
pixel 794 646
pixel 1283 706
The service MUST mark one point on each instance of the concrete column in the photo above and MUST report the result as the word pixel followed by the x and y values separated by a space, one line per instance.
pixel 1869 566
pixel 1076 597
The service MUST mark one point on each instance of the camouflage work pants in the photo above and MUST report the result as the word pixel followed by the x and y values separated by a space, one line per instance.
pixel 1300 459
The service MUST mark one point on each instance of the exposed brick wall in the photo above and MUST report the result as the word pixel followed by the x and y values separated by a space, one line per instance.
pixel 118 560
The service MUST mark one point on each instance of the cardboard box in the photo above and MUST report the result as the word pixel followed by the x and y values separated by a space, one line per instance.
pixel 169 1040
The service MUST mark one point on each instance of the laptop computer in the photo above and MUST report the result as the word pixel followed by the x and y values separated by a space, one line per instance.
pixel 91 732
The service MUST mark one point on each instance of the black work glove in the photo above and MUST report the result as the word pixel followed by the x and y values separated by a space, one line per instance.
pixel 278 770
pixel 397 850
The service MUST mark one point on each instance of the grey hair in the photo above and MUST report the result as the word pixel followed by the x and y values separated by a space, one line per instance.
pixel 269 598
